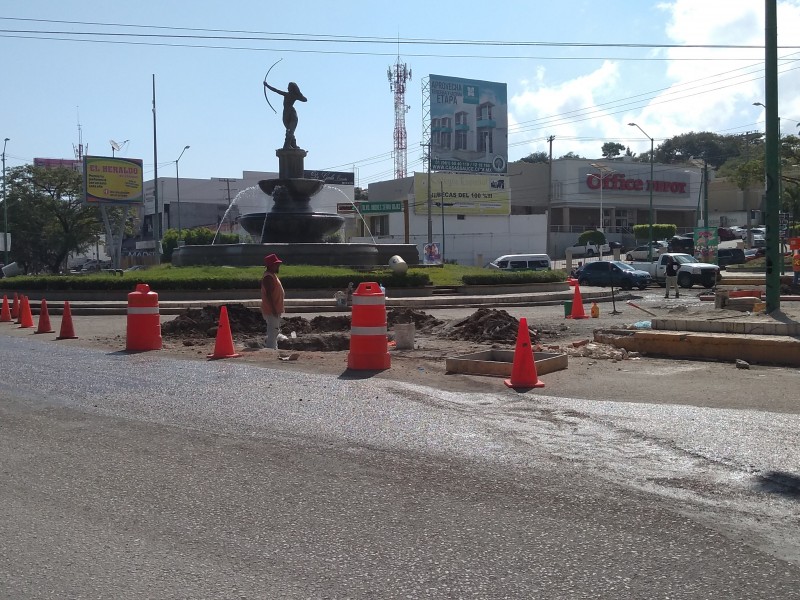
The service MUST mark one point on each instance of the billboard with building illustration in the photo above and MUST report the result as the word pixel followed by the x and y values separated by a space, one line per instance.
pixel 469 125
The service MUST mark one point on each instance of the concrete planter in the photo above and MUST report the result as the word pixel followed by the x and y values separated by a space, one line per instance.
pixel 514 288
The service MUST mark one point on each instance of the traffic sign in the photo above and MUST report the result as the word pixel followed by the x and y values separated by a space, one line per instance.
pixel 380 207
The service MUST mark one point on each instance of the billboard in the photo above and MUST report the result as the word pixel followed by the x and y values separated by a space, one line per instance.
pixel 58 163
pixel 332 177
pixel 112 180
pixel 462 194
pixel 469 125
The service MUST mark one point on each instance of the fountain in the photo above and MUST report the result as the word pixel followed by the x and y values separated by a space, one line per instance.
pixel 292 229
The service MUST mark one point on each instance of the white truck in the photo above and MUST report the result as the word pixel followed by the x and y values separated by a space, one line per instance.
pixel 690 271
pixel 588 249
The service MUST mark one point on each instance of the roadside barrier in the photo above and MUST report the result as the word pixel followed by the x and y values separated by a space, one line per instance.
pixel 144 321
pixel 223 345
pixel 369 344
pixel 44 319
pixel 523 370
pixel 5 313
pixel 67 331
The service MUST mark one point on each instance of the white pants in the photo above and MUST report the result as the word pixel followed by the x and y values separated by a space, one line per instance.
pixel 672 283
pixel 273 329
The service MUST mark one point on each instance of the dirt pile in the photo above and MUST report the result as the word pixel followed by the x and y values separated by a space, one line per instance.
pixel 332 333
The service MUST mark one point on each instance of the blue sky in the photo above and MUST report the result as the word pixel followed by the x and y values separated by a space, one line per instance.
pixel 209 59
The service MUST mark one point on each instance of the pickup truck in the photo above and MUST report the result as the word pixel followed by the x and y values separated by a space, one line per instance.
pixel 690 272
pixel 588 249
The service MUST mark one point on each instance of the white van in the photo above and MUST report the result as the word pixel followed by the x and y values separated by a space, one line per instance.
pixel 518 262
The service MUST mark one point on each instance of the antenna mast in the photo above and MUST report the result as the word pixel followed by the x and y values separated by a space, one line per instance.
pixel 399 74
pixel 79 149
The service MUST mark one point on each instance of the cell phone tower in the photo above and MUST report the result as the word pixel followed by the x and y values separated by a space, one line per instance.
pixel 399 74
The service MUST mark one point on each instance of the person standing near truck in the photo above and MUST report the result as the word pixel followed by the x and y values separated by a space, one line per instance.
pixel 672 276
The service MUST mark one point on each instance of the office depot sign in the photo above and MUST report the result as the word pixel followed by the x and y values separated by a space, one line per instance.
pixel 674 184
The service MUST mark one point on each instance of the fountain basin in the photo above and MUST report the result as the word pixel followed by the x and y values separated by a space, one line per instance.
pixel 303 226
pixel 297 187
pixel 245 255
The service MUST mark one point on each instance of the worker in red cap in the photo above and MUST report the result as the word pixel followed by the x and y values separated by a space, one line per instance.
pixel 272 296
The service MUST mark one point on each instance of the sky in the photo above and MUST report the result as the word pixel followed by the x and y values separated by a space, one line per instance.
pixel 577 70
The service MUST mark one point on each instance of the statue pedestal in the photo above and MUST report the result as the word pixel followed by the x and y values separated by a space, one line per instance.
pixel 291 163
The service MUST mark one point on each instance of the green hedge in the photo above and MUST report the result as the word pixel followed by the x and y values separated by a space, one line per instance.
pixel 167 277
pixel 495 277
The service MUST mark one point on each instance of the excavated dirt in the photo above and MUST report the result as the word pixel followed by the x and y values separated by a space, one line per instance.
pixel 332 333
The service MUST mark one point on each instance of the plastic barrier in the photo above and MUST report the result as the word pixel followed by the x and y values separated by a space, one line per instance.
pixel 369 344
pixel 144 321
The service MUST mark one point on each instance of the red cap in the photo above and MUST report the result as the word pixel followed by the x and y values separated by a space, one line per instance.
pixel 272 259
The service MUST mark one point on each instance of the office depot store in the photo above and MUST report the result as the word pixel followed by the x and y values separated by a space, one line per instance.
pixel 578 198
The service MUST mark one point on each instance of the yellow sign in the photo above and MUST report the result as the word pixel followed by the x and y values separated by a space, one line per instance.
pixel 462 194
pixel 112 180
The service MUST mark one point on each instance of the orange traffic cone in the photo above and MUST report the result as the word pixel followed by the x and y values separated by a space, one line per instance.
pixel 67 331
pixel 15 306
pixel 25 316
pixel 523 371
pixel 577 305
pixel 223 346
pixel 44 319
pixel 5 313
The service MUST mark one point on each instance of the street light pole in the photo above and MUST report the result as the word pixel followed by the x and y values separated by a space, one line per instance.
pixel 178 188
pixel 601 178
pixel 5 207
pixel 650 187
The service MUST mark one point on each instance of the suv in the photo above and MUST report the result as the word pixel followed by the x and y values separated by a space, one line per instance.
pixel 730 256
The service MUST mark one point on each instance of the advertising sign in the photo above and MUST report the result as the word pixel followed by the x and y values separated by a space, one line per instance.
pixel 706 241
pixel 58 163
pixel 332 177
pixel 462 194
pixel 431 254
pixel 634 179
pixel 469 125
pixel 112 180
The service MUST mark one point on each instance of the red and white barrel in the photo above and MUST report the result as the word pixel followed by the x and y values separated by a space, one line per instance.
pixel 369 344
pixel 144 320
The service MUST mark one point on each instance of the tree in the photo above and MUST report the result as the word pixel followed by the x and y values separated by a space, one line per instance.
pixel 536 157
pixel 47 217
pixel 713 147
pixel 612 149
pixel 571 154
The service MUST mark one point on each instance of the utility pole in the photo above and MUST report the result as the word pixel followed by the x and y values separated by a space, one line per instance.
pixel 772 158
pixel 427 146
pixel 156 227
pixel 549 191
pixel 227 183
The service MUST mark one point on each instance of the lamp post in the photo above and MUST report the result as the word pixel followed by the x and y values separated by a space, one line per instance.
pixel 178 188
pixel 5 207
pixel 650 187
pixel 601 178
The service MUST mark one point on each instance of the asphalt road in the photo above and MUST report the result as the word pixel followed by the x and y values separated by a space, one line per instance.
pixel 131 475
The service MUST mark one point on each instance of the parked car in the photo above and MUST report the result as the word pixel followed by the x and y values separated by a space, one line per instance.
pixel 588 249
pixel 643 252
pixel 519 262
pixel 682 244
pixel 730 256
pixel 759 241
pixel 725 235
pixel 613 272
pixel 754 253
